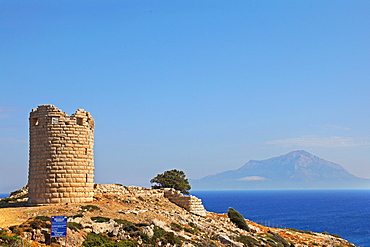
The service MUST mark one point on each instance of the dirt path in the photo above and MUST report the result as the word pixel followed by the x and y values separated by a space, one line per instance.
pixel 14 215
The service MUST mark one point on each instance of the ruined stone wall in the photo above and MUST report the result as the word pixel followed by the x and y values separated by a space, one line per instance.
pixel 190 203
pixel 61 158
pixel 122 191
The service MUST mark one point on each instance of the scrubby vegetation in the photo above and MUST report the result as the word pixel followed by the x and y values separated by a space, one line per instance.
pixel 275 239
pixel 301 231
pixel 248 241
pixel 237 219
pixel 43 218
pixel 7 238
pixel 74 226
pixel 15 195
pixel 100 219
pixel 175 226
pixel 76 216
pixel 6 199
pixel 99 240
pixel 89 208
pixel 334 235
pixel 141 219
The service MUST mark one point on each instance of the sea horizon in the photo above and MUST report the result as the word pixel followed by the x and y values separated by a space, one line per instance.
pixel 7 194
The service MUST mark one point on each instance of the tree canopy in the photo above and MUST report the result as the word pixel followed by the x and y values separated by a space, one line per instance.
pixel 172 179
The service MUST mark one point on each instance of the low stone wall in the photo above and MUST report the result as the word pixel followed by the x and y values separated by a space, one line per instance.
pixel 120 190
pixel 190 203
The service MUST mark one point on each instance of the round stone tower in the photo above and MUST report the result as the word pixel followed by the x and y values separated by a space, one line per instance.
pixel 61 161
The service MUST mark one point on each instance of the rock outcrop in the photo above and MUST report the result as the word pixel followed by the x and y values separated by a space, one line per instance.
pixel 134 216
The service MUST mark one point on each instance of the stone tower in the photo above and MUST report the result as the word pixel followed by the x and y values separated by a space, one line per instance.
pixel 61 159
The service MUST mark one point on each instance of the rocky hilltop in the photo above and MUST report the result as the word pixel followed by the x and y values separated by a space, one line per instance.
pixel 297 169
pixel 135 216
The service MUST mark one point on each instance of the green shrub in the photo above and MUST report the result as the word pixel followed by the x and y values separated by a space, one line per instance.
pixel 158 232
pixel 93 240
pixel 190 230
pixel 7 199
pixel 38 224
pixel 123 222
pixel 176 226
pixel 127 225
pixel 162 236
pixel 280 241
pixel 74 226
pixel 146 239
pixel 98 240
pixel 124 243
pixel 43 218
pixel 237 219
pixel 8 239
pixel 76 216
pixel 213 237
pixel 194 226
pixel 306 232
pixel 248 241
pixel 90 208
pixel 172 238
pixel 15 192
pixel 334 235
pixel 205 243
pixel 193 230
pixel 141 224
pixel 99 219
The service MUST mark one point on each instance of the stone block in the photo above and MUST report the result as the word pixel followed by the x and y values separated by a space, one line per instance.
pixel 54 200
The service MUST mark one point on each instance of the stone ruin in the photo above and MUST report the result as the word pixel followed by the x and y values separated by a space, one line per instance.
pixel 61 162
pixel 61 158
pixel 190 203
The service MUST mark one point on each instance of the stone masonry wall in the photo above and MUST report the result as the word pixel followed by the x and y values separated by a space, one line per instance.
pixel 122 191
pixel 61 158
pixel 190 203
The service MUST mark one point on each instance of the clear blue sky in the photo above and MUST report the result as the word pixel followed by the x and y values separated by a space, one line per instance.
pixel 201 86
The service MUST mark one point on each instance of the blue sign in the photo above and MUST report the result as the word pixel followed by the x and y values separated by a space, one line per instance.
pixel 58 226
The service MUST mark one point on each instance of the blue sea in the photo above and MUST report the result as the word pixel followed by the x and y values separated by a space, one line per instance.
pixel 2 195
pixel 342 212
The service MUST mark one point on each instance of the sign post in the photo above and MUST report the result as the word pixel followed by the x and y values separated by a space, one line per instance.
pixel 58 227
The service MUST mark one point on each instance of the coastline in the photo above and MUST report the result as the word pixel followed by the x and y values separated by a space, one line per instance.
pixel 149 208
pixel 313 210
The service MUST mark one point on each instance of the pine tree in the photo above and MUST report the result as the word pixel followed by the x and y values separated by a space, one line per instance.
pixel 172 179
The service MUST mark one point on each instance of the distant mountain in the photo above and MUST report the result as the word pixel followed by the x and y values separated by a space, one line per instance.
pixel 295 170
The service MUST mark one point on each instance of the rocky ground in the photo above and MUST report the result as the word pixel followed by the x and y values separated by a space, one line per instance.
pixel 140 217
